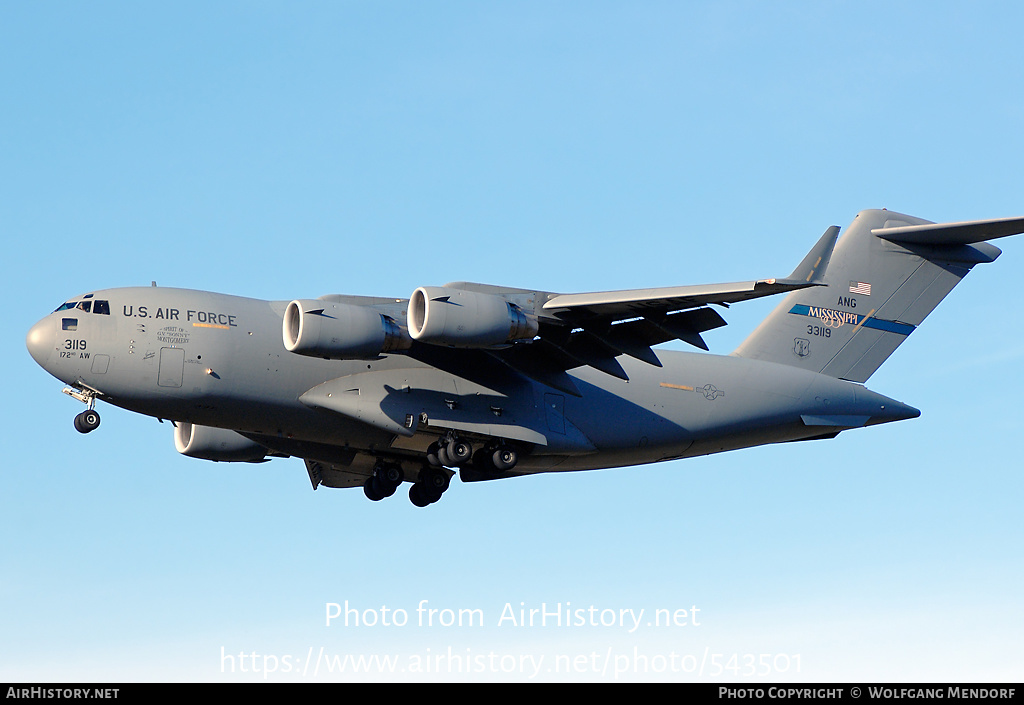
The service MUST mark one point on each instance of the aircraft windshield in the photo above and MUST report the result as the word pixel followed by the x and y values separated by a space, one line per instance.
pixel 97 306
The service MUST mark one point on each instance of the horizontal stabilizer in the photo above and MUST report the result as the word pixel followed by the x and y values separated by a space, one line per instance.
pixel 964 233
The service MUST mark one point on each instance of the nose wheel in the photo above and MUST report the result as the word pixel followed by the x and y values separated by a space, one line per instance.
pixel 87 421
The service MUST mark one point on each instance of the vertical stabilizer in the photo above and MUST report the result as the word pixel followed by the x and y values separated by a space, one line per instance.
pixel 887 273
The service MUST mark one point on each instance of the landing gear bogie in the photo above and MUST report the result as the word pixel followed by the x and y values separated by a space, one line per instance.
pixel 429 486
pixel 450 452
pixel 385 481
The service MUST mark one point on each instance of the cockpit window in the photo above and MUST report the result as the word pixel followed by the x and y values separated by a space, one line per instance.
pixel 98 306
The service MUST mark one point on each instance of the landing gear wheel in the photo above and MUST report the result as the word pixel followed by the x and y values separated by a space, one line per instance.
pixel 435 479
pixel 372 490
pixel 391 474
pixel 432 456
pixel 421 496
pixel 504 459
pixel 385 488
pixel 459 452
pixel 87 421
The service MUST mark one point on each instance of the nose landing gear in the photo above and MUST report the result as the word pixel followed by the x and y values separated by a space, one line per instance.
pixel 89 419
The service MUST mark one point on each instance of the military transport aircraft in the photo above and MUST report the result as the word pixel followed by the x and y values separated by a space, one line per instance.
pixel 496 382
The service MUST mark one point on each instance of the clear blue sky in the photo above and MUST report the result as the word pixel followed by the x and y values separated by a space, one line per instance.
pixel 286 150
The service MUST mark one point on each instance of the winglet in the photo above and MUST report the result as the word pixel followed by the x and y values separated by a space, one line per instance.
pixel 812 269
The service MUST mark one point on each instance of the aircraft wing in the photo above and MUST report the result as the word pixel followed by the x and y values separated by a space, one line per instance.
pixel 810 272
pixel 593 329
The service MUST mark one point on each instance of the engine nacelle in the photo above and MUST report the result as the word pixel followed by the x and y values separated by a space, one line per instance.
pixel 340 331
pixel 467 319
pixel 220 444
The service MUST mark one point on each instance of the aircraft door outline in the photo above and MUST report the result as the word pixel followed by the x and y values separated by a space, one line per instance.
pixel 171 371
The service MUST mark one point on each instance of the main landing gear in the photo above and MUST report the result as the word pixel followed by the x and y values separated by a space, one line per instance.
pixel 435 476
pixel 430 483
pixel 89 419
pixel 384 482
pixel 455 452
pixel 429 486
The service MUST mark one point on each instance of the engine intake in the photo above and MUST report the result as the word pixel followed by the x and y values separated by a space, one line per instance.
pixel 467 319
pixel 337 331
pixel 218 444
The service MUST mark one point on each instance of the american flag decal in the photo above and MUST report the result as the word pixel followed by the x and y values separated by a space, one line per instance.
pixel 860 288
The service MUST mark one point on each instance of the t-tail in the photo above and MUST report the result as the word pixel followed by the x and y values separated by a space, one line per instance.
pixel 887 273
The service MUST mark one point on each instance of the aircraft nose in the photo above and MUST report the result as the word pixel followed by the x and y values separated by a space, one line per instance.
pixel 40 340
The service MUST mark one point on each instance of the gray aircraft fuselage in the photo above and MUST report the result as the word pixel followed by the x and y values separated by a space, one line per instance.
pixel 218 360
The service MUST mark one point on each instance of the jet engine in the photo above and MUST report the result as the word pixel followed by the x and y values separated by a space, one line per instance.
pixel 467 319
pixel 337 331
pixel 219 444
